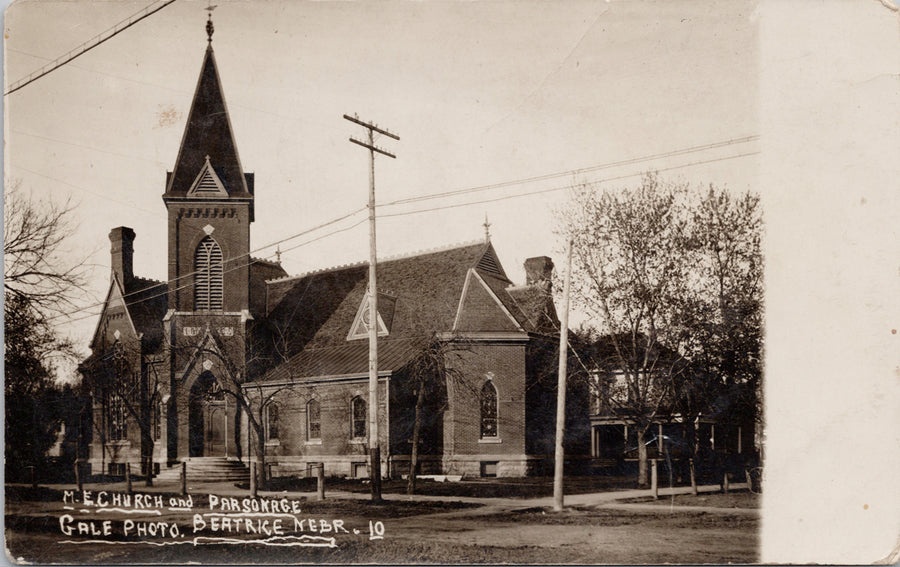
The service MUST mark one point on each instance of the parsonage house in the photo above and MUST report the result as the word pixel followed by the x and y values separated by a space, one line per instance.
pixel 171 360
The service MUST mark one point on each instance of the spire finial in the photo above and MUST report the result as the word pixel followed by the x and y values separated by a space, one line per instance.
pixel 209 24
pixel 487 229
pixel 278 253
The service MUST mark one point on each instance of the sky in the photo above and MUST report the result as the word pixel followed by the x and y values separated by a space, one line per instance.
pixel 480 93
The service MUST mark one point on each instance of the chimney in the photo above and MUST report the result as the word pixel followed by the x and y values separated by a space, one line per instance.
pixel 538 271
pixel 121 251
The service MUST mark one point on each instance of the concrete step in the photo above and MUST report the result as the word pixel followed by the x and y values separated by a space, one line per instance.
pixel 209 469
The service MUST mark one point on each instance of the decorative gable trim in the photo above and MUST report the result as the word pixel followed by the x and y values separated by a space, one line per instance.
pixel 473 274
pixel 360 329
pixel 207 183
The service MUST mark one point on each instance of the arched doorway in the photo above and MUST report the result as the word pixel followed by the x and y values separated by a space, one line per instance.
pixel 208 418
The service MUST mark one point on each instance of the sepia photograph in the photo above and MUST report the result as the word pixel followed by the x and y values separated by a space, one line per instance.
pixel 444 282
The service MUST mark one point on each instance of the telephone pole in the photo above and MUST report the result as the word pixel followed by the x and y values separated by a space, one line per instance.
pixel 374 448
pixel 561 387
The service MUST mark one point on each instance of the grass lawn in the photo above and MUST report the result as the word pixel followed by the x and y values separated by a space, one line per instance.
pixel 529 487
pixel 734 499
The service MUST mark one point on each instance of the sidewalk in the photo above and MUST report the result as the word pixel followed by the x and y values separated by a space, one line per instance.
pixel 610 499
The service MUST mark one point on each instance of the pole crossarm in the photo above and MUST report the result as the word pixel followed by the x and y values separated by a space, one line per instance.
pixel 373 148
pixel 355 119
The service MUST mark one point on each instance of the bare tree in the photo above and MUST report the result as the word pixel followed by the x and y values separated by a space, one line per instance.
pixel 123 375
pixel 263 348
pixel 629 273
pixel 671 279
pixel 430 373
pixel 39 282
pixel 35 266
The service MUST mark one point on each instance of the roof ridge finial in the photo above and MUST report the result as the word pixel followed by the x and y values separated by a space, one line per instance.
pixel 209 23
pixel 487 229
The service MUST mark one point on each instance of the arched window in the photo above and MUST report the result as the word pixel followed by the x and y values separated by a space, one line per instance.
pixel 208 273
pixel 488 410
pixel 272 422
pixel 116 419
pixel 313 421
pixel 358 416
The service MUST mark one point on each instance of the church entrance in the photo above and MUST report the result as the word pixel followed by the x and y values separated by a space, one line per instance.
pixel 208 418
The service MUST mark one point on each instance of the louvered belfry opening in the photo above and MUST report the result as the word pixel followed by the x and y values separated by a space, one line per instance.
pixel 208 275
pixel 207 184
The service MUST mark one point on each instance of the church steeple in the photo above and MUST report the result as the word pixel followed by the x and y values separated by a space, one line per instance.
pixel 209 200
pixel 208 140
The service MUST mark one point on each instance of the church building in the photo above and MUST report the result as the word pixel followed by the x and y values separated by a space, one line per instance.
pixel 232 357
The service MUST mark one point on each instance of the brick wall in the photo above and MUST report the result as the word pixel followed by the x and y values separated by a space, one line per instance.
pixel 505 365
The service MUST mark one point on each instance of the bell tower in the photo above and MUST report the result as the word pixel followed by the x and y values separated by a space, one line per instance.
pixel 209 200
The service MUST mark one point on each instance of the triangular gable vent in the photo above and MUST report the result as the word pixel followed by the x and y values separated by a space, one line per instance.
pixel 490 263
pixel 207 183
pixel 360 327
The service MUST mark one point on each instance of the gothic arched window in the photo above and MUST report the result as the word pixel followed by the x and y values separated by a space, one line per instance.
pixel 358 416
pixel 208 275
pixel 272 421
pixel 488 410
pixel 313 421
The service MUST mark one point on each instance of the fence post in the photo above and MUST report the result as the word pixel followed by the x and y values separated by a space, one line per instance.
pixel 320 480
pixel 253 489
pixel 693 478
pixel 33 478
pixel 725 482
pixel 183 478
pixel 654 479
pixel 78 479
pixel 128 488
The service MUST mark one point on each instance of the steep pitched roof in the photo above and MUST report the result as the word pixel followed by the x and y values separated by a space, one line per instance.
pixel 346 360
pixel 208 133
pixel 320 307
pixel 147 302
pixel 143 302
pixel 537 305
pixel 261 271
pixel 316 311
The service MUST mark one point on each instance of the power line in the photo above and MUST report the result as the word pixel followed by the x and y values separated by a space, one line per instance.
pixel 247 254
pixel 544 177
pixel 88 45
pixel 562 187
pixel 432 209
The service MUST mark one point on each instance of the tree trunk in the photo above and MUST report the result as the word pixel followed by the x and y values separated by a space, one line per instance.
pixel 642 458
pixel 414 453
pixel 148 458
pixel 261 459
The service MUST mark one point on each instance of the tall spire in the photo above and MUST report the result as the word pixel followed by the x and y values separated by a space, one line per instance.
pixel 208 139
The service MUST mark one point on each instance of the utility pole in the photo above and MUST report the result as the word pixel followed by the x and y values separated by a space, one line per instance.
pixel 561 388
pixel 374 449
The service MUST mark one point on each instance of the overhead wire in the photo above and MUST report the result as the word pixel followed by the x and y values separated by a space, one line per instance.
pixel 608 165
pixel 631 161
pixel 87 46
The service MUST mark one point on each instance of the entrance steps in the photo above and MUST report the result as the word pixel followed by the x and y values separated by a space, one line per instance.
pixel 208 469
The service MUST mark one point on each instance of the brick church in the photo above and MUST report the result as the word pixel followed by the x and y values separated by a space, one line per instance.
pixel 231 356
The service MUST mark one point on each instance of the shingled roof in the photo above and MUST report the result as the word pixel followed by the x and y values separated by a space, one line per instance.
pixel 147 300
pixel 319 308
